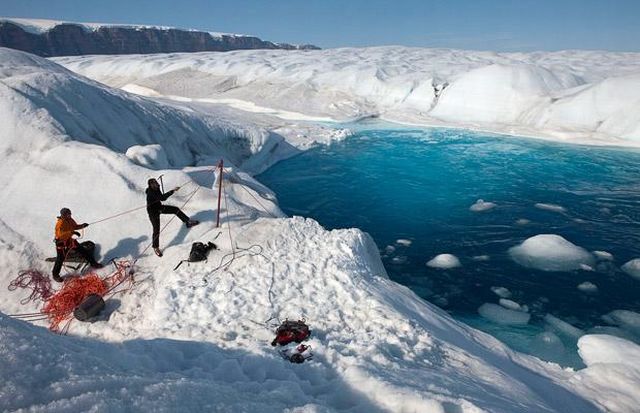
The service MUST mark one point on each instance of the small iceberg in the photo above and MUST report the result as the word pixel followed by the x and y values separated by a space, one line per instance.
pixel 444 261
pixel 501 315
pixel 481 206
pixel 588 287
pixel 501 292
pixel 550 252
pixel 632 268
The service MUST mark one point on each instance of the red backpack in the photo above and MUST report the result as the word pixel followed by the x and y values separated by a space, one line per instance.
pixel 290 331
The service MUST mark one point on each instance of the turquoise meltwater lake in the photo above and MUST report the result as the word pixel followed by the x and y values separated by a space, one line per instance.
pixel 412 189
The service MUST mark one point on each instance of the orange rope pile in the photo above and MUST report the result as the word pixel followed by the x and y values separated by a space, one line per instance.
pixel 60 306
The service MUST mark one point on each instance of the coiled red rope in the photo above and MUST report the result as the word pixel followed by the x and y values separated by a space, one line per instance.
pixel 59 306
pixel 37 282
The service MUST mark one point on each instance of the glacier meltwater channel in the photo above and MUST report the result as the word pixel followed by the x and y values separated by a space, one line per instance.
pixel 416 192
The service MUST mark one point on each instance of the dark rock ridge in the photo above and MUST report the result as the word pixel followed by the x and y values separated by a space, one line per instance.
pixel 69 39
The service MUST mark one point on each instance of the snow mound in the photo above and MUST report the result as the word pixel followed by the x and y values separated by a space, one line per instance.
pixel 612 375
pixel 444 261
pixel 502 315
pixel 632 268
pixel 550 252
pixel 149 156
pixel 500 93
pixel 481 206
pixel 606 349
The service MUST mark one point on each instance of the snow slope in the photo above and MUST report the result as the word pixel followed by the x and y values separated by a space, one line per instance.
pixel 578 96
pixel 198 338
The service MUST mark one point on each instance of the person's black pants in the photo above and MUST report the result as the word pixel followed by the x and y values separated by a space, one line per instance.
pixel 61 254
pixel 154 217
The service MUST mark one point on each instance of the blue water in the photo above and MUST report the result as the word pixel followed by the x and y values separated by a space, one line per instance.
pixel 419 184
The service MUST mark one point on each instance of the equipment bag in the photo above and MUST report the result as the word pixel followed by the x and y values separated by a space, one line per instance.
pixel 199 252
pixel 289 331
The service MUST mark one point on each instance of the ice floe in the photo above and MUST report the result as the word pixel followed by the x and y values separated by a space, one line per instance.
pixel 481 206
pixel 444 261
pixel 550 252
pixel 502 315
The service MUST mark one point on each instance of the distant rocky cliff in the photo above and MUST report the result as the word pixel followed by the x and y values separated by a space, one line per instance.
pixel 69 39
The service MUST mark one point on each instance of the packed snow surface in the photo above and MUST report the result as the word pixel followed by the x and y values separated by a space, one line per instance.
pixel 575 96
pixel 550 252
pixel 198 338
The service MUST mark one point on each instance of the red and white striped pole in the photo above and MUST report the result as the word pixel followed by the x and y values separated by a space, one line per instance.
pixel 220 165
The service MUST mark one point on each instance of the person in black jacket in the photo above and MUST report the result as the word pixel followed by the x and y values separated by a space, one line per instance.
pixel 155 208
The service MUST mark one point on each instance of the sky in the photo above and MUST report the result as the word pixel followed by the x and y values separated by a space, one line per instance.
pixel 500 25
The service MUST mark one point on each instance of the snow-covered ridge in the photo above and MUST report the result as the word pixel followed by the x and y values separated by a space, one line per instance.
pixel 197 339
pixel 39 26
pixel 576 96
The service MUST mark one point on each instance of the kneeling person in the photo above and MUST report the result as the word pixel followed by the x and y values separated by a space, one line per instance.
pixel 66 228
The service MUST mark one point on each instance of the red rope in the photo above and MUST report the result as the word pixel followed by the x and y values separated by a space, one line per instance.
pixel 37 282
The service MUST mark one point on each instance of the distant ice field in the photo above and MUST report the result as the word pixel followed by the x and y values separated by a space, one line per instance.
pixel 414 191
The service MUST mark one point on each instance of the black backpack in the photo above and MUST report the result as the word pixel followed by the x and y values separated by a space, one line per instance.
pixel 199 252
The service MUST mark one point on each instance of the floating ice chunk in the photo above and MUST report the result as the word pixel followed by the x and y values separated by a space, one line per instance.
pixel 481 205
pixel 603 255
pixel 549 252
pixel 523 221
pixel 627 320
pixel 389 249
pixel 401 259
pixel 404 242
pixel 501 292
pixel 563 327
pixel 588 287
pixel 550 207
pixel 632 268
pixel 586 267
pixel 444 261
pixel 502 315
pixel 595 348
pixel 510 304
pixel 547 346
pixel 480 258
pixel 150 156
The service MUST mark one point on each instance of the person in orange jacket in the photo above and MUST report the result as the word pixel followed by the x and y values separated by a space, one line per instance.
pixel 66 228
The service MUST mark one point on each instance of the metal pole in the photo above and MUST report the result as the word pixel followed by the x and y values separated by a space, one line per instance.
pixel 220 165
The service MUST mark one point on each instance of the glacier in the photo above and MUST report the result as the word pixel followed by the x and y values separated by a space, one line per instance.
pixel 198 339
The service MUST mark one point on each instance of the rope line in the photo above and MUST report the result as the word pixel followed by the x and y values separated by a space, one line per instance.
pixel 258 201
